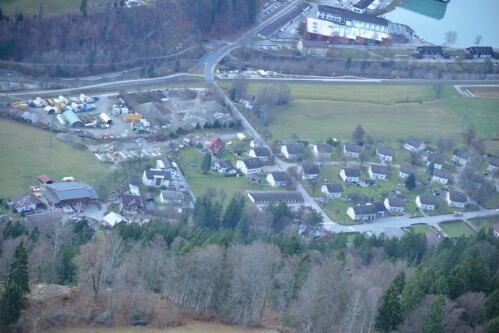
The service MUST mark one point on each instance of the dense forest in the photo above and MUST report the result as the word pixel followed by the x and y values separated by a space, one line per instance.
pixel 115 37
pixel 245 266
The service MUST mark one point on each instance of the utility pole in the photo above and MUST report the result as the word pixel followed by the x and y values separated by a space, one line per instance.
pixel 51 130
pixel 464 119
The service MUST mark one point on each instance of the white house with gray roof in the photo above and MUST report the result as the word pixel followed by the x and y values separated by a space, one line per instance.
pixel 376 171
pixel 156 177
pixel 395 205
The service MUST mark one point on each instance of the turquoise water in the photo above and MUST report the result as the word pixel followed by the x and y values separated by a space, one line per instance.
pixel 468 18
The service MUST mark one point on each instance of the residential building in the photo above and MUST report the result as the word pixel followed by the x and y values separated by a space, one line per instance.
pixel 377 171
pixel 493 164
pixel 262 153
pixel 248 100
pixel 364 212
pixel 292 151
pixel 250 165
pixel 171 197
pixel 215 146
pixel 225 167
pixel 350 175
pixel 425 202
pixel 156 178
pixel 395 205
pixel 414 144
pixel 462 156
pixel 278 178
pixel 456 199
pixel 442 176
pixel 351 150
pixel 266 197
pixel 406 170
pixel 332 191
pixel 74 194
pixel 428 51
pixel 308 171
pixel 130 203
pixel 23 203
pixel 480 51
pixel 322 150
pixel 385 153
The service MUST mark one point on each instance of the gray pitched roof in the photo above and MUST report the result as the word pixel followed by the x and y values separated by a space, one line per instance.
pixel 253 163
pixel 380 169
pixel 407 169
pixel 384 150
pixel 350 172
pixel 130 200
pixel 458 196
pixel 261 151
pixel 69 190
pixel 442 173
pixel 280 176
pixel 226 164
pixel 427 200
pixel 461 153
pixel 150 174
pixel 310 169
pixel 277 196
pixel 413 141
pixel 295 148
pixel 352 148
pixel 324 148
pixel 23 199
pixel 396 202
pixel 352 15
pixel 365 210
pixel 334 188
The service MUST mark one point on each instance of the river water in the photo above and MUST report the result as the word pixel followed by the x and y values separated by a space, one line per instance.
pixel 468 18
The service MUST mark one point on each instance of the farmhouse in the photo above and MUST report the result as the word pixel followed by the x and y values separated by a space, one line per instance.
pixel 332 191
pixel 250 165
pixel 69 193
pixel 456 199
pixel 308 171
pixel 171 197
pixel 351 150
pixel 292 151
pixel 376 171
pixel 442 176
pixel 493 164
pixel 426 202
pixel 350 175
pixel 278 178
pixel 130 203
pixel 23 203
pixel 262 153
pixel 406 170
pixel 215 146
pixel 364 212
pixel 265 197
pixel 395 205
pixel 248 100
pixel 156 177
pixel 322 150
pixel 385 153
pixel 225 167
pixel 462 156
pixel 414 144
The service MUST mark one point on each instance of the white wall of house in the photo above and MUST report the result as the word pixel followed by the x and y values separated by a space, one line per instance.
pixel 348 179
pixel 384 157
pixel 328 194
pixel 440 180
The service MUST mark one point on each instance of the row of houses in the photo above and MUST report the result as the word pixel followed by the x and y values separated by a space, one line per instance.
pixel 375 210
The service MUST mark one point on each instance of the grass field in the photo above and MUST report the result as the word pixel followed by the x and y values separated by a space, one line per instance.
pixel 420 229
pixel 456 229
pixel 484 223
pixel 31 7
pixel 24 155
pixel 194 327
pixel 319 110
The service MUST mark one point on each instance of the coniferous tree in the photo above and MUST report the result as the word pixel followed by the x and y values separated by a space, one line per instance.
pixel 434 317
pixel 410 182
pixel 19 269
pixel 390 312
pixel 206 164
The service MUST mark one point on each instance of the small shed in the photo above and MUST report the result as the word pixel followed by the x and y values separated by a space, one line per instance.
pixel 72 119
